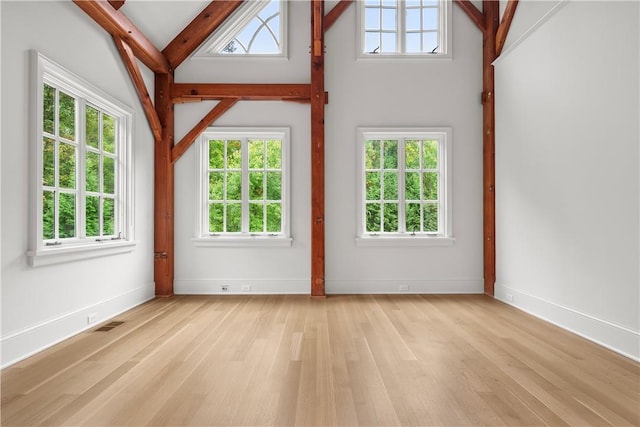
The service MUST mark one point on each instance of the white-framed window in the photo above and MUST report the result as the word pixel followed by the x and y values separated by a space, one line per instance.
pixel 404 28
pixel 81 168
pixel 404 189
pixel 243 177
pixel 256 29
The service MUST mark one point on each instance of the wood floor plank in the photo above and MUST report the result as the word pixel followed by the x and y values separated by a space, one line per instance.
pixel 353 360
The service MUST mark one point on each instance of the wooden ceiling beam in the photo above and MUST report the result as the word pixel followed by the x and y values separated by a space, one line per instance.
pixel 192 36
pixel 118 25
pixel 261 92
pixel 474 14
pixel 183 145
pixel 117 4
pixel 333 15
pixel 143 94
pixel 505 24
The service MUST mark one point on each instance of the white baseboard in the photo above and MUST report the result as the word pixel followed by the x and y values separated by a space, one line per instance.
pixel 404 286
pixel 614 337
pixel 27 342
pixel 235 286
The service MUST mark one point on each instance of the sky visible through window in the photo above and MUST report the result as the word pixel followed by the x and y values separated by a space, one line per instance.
pixel 261 35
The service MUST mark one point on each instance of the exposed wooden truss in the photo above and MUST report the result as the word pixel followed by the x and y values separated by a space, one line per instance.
pixel 143 94
pixel 220 108
pixel 317 150
pixel 181 92
pixel 131 43
pixel 207 21
pixel 118 25
pixel 494 36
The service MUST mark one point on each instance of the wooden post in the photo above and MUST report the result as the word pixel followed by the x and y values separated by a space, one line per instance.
pixel 317 148
pixel 163 194
pixel 492 15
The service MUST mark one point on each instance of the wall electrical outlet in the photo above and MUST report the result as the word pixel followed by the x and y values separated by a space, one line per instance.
pixel 224 288
pixel 509 297
pixel 92 318
pixel 246 288
pixel 404 288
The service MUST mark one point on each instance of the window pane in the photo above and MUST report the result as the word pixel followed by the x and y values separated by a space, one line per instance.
pixel 48 215
pixel 412 3
pixel 216 154
pixel 413 19
pixel 274 217
pixel 391 154
pixel 264 42
pixel 234 218
pixel 92 211
pixel 92 127
pixel 430 154
pixel 256 218
pixel 430 186
pixel 372 42
pixel 389 19
pixel 48 109
pixel 372 2
pixel 67 215
pixel 216 186
pixel 392 3
pixel 413 218
pixel 430 42
pixel 431 218
pixel 372 154
pixel 388 43
pixel 256 186
pixel 274 154
pixel 216 217
pixel 108 226
pixel 234 185
pixel 372 18
pixel 373 185
pixel 67 116
pixel 412 185
pixel 48 162
pixel 390 217
pixel 390 185
pixel 108 133
pixel 373 218
pixel 430 18
pixel 274 185
pixel 93 172
pixel 67 154
pixel 413 43
pixel 256 154
pixel 108 175
pixel 412 154
pixel 234 155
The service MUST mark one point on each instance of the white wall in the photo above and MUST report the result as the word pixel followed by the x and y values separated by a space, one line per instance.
pixel 43 305
pixel 361 93
pixel 567 172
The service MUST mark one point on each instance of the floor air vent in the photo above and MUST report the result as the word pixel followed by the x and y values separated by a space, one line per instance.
pixel 109 326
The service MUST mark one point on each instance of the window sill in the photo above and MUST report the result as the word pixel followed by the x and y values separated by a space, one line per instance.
pixel 405 56
pixel 241 242
pixel 69 253
pixel 404 241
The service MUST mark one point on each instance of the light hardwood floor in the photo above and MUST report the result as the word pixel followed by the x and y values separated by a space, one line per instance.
pixel 340 361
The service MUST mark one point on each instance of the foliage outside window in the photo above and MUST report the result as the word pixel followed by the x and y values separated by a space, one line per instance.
pixel 244 186
pixel 405 188
pixel 256 29
pixel 404 28
pixel 82 183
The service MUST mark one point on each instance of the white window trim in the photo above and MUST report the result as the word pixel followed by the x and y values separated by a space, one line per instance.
pixel 45 70
pixel 202 237
pixel 445 39
pixel 236 22
pixel 445 238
